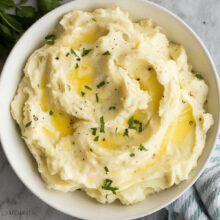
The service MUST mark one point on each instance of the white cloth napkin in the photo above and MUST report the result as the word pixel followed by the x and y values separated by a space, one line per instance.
pixel 202 201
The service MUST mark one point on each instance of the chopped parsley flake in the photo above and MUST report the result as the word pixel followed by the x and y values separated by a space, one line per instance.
pixel 18 127
pixel 141 147
pixel 116 129
pixel 101 84
pixel 94 131
pixel 136 122
pixel 76 66
pixel 140 127
pixel 28 124
pixel 131 123
pixel 87 87
pixel 102 122
pixel 126 132
pixel 106 53
pixel 198 76
pixel 97 97
pixel 106 170
pixel 112 108
pixel 107 186
pixel 85 52
pixel 83 93
pixel 50 39
pixel 96 138
pixel 50 112
pixel 132 155
pixel 69 87
pixel 73 52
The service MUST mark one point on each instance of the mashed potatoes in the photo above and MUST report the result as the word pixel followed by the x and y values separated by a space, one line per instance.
pixel 111 107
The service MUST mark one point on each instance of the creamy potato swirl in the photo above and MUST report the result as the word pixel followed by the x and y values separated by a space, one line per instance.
pixel 111 107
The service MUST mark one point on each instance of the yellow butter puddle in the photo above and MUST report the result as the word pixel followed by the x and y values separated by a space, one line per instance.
pixel 92 35
pixel 147 78
pixel 81 77
pixel 60 121
pixel 175 135
pixel 112 142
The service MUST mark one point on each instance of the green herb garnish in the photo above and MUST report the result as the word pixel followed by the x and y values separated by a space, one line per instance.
pixel 85 52
pixel 140 127
pixel 28 124
pixel 136 121
pixel 87 87
pixel 198 76
pixel 97 97
pixel 102 122
pixel 47 5
pixel 131 123
pixel 50 39
pixel 126 132
pixel 12 26
pixel 73 52
pixel 106 170
pixel 132 155
pixel 106 53
pixel 76 66
pixel 69 87
pixel 101 84
pixel 112 108
pixel 18 128
pixel 50 112
pixel 83 93
pixel 94 131
pixel 141 148
pixel 96 138
pixel 107 186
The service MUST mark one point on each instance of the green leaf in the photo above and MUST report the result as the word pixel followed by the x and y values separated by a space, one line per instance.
pixel 106 170
pixel 27 15
pixel 22 2
pixel 112 108
pixel 94 131
pixel 141 148
pixel 28 124
pixel 199 76
pixel 100 84
pixel 107 186
pixel 73 52
pixel 6 4
pixel 102 122
pixel 88 87
pixel 47 5
pixel 11 22
pixel 50 39
pixel 85 52
pixel 97 97
pixel 106 53
pixel 96 138
pixel 6 33
pixel 26 12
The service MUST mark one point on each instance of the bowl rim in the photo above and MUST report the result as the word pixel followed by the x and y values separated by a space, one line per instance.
pixel 202 45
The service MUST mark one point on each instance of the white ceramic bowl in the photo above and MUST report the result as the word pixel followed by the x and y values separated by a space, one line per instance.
pixel 78 204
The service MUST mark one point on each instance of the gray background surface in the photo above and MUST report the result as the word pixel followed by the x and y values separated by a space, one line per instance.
pixel 17 202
